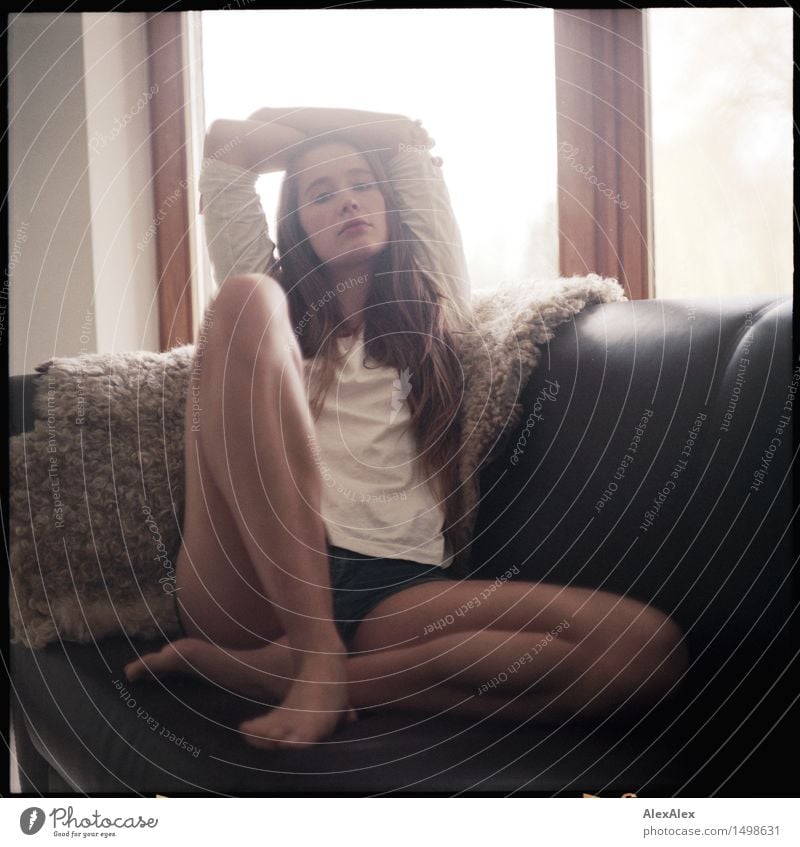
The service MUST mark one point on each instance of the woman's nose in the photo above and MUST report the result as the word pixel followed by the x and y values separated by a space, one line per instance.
pixel 349 199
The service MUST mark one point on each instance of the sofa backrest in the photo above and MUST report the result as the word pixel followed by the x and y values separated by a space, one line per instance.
pixel 660 468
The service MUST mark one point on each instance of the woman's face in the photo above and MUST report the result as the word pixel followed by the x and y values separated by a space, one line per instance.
pixel 336 187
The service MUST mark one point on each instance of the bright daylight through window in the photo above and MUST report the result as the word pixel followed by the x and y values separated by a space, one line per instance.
pixel 497 137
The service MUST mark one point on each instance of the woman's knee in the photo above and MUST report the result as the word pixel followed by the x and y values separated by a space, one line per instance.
pixel 636 632
pixel 645 662
pixel 251 311
pixel 662 650
pixel 667 638
pixel 673 646
pixel 246 323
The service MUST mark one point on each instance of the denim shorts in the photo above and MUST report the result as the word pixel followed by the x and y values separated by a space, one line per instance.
pixel 359 582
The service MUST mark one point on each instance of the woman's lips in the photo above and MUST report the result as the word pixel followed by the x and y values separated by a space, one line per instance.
pixel 352 227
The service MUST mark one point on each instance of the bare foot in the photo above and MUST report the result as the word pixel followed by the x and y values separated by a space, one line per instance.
pixel 264 672
pixel 268 674
pixel 312 709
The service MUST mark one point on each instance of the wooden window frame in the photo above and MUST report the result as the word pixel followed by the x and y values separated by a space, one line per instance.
pixel 169 139
pixel 603 139
pixel 603 131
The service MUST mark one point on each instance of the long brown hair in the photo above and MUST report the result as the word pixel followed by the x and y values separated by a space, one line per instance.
pixel 406 325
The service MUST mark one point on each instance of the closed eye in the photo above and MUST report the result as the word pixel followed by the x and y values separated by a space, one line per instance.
pixel 361 186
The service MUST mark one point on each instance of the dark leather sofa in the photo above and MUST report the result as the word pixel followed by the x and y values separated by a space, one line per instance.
pixel 564 505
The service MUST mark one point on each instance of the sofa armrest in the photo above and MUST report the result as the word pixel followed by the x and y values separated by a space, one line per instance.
pixel 21 391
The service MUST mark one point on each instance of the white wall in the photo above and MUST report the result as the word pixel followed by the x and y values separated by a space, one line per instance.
pixel 118 98
pixel 78 282
pixel 51 277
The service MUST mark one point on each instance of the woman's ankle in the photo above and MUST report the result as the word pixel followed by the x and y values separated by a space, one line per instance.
pixel 324 639
pixel 331 651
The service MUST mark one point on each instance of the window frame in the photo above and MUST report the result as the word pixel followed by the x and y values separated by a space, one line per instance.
pixel 601 72
pixel 171 177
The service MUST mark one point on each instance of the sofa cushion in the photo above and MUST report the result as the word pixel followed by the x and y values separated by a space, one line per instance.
pixel 96 498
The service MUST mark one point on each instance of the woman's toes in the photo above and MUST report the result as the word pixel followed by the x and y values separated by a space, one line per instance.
pixel 171 657
pixel 254 735
pixel 130 671
pixel 135 669
pixel 266 732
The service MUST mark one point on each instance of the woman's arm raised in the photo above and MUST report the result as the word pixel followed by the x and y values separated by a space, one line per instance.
pixel 234 154
pixel 236 230
pixel 382 132
pixel 253 144
pixel 429 220
pixel 416 177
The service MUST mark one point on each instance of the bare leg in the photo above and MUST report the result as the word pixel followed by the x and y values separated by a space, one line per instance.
pixel 247 451
pixel 468 673
pixel 430 676
pixel 564 679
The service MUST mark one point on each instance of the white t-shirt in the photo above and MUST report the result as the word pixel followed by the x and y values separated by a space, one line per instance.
pixel 374 499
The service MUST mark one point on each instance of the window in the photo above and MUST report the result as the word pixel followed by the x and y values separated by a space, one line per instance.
pixel 683 115
pixel 721 83
pixel 492 114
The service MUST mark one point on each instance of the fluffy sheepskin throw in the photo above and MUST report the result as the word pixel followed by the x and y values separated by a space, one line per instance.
pixel 97 487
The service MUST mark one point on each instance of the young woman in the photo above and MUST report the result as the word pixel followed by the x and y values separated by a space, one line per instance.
pixel 321 438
